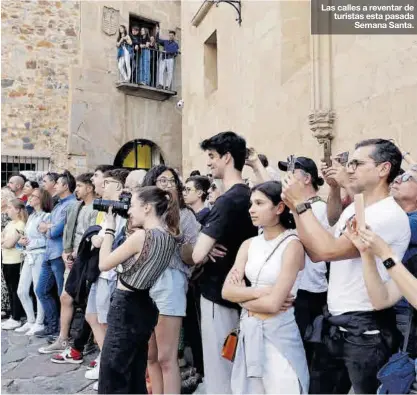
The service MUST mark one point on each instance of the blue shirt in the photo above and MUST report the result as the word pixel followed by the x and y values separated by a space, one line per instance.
pixel 54 243
pixel 412 249
pixel 170 47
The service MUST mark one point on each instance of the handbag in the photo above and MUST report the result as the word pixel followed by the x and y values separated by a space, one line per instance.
pixel 398 374
pixel 231 341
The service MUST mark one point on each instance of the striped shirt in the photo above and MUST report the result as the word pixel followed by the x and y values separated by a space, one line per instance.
pixel 143 272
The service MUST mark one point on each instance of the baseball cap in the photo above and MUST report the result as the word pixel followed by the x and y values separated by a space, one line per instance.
pixel 306 164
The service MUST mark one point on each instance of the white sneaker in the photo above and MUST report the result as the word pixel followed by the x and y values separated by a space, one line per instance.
pixel 35 328
pixel 24 328
pixel 11 324
pixel 93 373
pixel 95 386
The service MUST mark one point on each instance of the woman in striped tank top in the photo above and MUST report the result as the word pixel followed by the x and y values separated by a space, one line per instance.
pixel 139 261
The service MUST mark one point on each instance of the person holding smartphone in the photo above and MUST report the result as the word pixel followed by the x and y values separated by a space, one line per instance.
pixel 12 259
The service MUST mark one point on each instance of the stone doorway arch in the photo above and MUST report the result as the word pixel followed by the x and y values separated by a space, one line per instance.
pixel 139 154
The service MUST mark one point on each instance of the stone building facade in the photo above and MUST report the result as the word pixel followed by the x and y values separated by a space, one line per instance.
pixel 59 95
pixel 289 92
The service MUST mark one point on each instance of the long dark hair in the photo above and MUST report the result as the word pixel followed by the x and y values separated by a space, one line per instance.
pixel 272 190
pixel 120 34
pixel 155 172
pixel 45 198
pixel 201 183
pixel 166 207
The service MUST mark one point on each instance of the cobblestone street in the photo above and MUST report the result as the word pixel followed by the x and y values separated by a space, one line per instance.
pixel 25 371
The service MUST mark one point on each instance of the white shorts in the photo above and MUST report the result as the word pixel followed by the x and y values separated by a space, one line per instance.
pixel 99 298
pixel 169 293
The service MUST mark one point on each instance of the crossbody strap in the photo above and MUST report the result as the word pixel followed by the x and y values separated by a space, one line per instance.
pixel 408 332
pixel 272 253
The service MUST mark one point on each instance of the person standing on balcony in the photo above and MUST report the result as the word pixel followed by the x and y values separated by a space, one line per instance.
pixel 136 53
pixel 171 49
pixel 153 46
pixel 145 57
pixel 124 53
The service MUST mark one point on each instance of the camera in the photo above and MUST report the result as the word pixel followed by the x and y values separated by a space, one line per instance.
pixel 180 104
pixel 120 207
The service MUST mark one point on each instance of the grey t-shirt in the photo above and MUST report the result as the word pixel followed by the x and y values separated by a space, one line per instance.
pixel 86 218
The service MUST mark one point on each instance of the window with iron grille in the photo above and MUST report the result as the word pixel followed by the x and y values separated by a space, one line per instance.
pixel 13 165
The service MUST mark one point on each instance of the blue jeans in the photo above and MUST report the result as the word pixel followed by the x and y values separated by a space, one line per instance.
pixel 52 272
pixel 145 63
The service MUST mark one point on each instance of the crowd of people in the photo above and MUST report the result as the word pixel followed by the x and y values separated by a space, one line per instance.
pixel 146 59
pixel 272 287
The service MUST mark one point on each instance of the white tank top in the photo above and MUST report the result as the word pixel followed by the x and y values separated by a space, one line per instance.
pixel 262 274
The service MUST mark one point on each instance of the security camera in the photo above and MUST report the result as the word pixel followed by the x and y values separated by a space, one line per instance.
pixel 180 104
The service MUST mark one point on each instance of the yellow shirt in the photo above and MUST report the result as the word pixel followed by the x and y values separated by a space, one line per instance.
pixel 12 255
pixel 100 217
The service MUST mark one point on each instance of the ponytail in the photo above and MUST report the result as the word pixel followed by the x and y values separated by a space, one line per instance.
pixel 172 215
pixel 166 206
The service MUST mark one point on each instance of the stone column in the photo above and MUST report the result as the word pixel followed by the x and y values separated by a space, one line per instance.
pixel 322 116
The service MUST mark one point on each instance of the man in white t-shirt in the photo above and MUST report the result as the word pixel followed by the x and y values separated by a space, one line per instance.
pixel 356 340
pixel 312 293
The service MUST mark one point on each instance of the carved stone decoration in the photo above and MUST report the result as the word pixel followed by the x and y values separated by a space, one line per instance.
pixel 110 21
pixel 321 124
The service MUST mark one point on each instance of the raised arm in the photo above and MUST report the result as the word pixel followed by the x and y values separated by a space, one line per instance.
pixel 292 262
pixel 318 242
pixel 132 246
pixel 234 287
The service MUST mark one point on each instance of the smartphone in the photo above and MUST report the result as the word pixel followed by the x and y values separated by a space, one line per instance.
pixel 327 153
pixel 343 158
pixel 360 211
pixel 291 163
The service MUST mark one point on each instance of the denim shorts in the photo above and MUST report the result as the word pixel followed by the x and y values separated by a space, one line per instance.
pixel 99 298
pixel 169 293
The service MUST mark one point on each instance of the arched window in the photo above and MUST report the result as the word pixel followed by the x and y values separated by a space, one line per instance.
pixel 139 154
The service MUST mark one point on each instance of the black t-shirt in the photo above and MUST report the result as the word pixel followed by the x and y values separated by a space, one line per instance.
pixel 202 216
pixel 229 224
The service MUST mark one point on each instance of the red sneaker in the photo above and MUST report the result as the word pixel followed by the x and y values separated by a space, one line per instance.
pixel 70 355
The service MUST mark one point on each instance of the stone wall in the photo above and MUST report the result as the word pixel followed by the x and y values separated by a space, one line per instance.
pixel 102 119
pixel 265 82
pixel 59 71
pixel 40 43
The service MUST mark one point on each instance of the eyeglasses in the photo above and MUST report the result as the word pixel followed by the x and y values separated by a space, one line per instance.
pixel 164 182
pixel 354 163
pixel 404 178
pixel 108 182
pixel 186 190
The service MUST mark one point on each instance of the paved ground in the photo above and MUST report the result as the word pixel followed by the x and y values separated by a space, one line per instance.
pixel 25 371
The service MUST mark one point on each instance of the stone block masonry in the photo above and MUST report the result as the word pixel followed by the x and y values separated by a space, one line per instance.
pixel 40 43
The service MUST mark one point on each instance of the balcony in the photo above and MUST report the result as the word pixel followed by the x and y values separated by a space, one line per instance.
pixel 151 75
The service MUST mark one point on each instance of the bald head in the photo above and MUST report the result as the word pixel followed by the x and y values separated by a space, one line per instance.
pixel 135 179
pixel 16 184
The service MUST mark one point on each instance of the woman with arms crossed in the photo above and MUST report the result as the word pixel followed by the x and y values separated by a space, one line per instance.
pixel 273 263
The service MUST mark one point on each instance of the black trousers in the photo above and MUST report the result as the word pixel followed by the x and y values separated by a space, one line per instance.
pixel 11 274
pixel 192 327
pixel 131 320
pixel 307 307
pixel 346 360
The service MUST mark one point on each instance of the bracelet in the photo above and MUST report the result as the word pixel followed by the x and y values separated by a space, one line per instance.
pixel 109 233
pixel 110 230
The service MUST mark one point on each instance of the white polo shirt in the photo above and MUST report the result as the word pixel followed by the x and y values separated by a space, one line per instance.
pixel 347 291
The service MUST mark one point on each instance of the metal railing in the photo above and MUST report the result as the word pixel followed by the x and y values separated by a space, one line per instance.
pixel 149 67
pixel 14 165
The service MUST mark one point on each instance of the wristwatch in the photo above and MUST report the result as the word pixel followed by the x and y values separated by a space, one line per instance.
pixel 302 208
pixel 389 263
